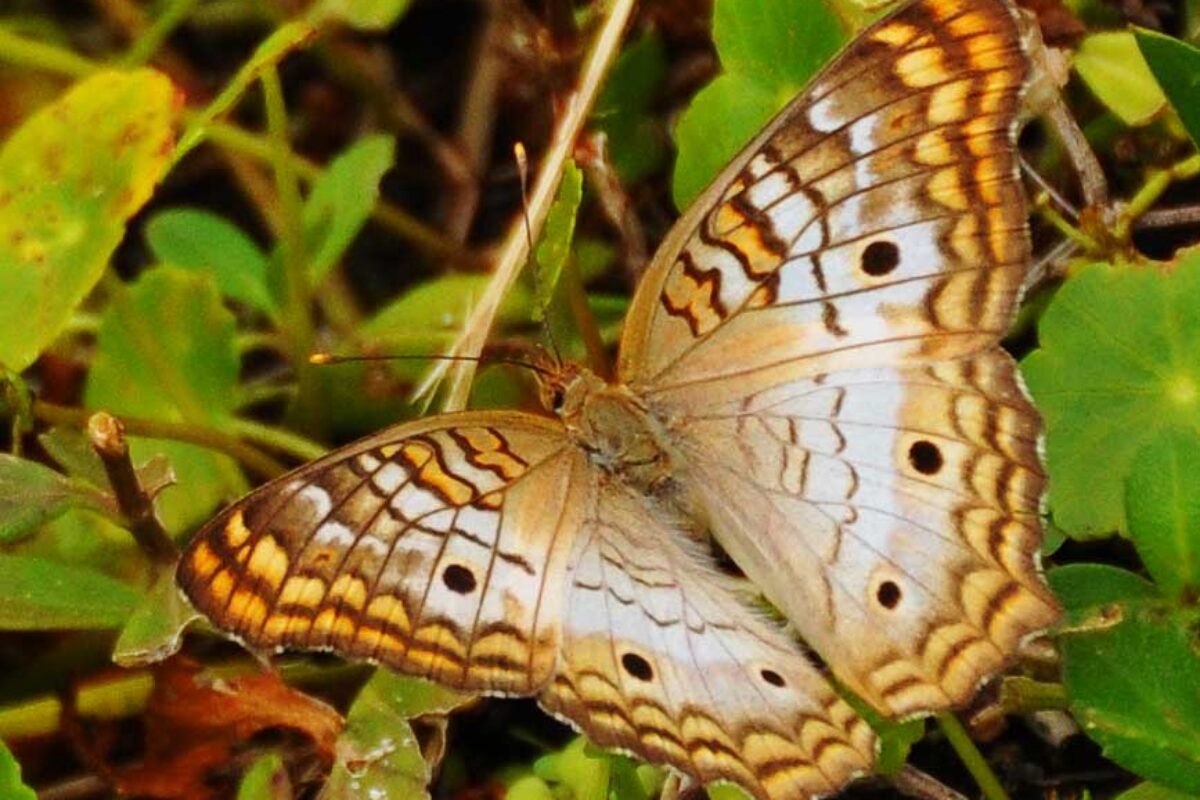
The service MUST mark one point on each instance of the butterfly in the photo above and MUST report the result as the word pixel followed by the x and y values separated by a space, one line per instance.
pixel 810 372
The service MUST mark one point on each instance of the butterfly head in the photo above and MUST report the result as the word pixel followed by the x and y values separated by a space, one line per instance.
pixel 565 387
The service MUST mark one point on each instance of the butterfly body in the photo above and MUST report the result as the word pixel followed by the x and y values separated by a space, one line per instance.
pixel 810 371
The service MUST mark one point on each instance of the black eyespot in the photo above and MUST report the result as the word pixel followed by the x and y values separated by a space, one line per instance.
pixel 772 677
pixel 637 666
pixel 557 397
pixel 925 457
pixel 880 258
pixel 459 579
pixel 888 595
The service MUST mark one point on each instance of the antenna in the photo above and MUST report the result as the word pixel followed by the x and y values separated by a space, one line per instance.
pixel 328 359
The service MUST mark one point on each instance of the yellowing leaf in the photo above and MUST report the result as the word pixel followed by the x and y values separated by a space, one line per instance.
pixel 1113 68
pixel 70 178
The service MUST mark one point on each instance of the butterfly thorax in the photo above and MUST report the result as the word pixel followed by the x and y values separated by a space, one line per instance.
pixel 612 425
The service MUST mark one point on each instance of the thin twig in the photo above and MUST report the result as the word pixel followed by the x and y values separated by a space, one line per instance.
pixel 1153 189
pixel 1168 217
pixel 615 204
pixel 475 129
pixel 107 437
pixel 1067 208
pixel 1092 183
pixel 912 782
pixel 74 788
pixel 515 249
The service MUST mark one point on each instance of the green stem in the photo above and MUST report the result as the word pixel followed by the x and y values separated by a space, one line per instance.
pixel 1022 695
pixel 390 216
pixel 278 439
pixel 585 321
pixel 971 758
pixel 254 459
pixel 297 307
pixel 33 54
pixel 1049 213
pixel 153 37
pixel 1154 187
pixel 258 340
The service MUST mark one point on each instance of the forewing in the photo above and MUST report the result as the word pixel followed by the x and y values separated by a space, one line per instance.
pixel 892 515
pixel 659 658
pixel 878 220
pixel 437 548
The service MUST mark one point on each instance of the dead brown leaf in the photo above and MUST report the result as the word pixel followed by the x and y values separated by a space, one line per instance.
pixel 198 727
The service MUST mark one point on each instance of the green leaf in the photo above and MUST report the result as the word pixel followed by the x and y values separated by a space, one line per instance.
pixel 70 178
pixel 1119 362
pixel 377 754
pixel 769 51
pixel 1112 66
pixel 1152 791
pixel 583 771
pixel 201 241
pixel 366 15
pixel 555 245
pixel 341 201
pixel 438 308
pixel 155 629
pixel 72 451
pixel 166 351
pixel 41 595
pixel 529 787
pixel 11 786
pixel 31 495
pixel 726 791
pixel 1162 500
pixel 1176 66
pixel 1132 673
pixel 895 738
pixel 267 779
pixel 637 143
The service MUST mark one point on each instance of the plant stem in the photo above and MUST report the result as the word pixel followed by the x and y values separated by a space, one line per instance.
pixel 390 216
pixel 278 439
pixel 585 320
pixel 515 250
pixel 971 758
pixel 1048 212
pixel 107 436
pixel 1154 187
pixel 1022 695
pixel 297 305
pixel 254 459
pixel 153 36
pixel 33 54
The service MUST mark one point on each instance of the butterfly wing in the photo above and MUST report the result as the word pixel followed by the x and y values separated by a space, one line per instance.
pixel 878 220
pixel 437 548
pixel 835 301
pixel 660 658
pixel 484 551
pixel 892 515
